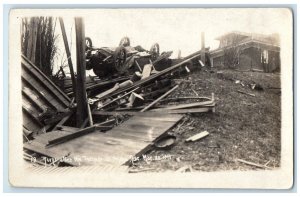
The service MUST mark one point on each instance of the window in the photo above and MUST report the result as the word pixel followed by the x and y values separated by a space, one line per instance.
pixel 264 57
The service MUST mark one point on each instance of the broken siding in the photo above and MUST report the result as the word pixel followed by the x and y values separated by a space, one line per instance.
pixel 39 94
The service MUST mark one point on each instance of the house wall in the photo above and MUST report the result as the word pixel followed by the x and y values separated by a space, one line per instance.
pixel 274 61
pixel 252 58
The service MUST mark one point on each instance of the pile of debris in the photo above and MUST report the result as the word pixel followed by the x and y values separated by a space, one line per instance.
pixel 136 103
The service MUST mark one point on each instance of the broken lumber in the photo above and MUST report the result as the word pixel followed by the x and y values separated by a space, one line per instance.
pixel 161 97
pixel 197 136
pixel 154 112
pixel 254 164
pixel 257 70
pixel 79 133
pixel 249 94
pixel 116 99
pixel 115 88
pixel 154 76
pixel 189 105
pixel 146 71
pixel 89 112
pixel 184 98
pixel 141 170
pixel 68 53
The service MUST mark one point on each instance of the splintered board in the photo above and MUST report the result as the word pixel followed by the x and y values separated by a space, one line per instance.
pixel 118 145
pixel 39 93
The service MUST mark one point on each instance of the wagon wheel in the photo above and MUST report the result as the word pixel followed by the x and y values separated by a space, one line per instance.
pixel 154 51
pixel 119 59
pixel 88 43
pixel 125 42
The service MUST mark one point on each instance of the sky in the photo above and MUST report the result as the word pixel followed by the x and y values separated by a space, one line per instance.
pixel 173 29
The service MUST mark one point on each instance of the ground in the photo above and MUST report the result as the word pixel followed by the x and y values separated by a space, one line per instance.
pixel 242 127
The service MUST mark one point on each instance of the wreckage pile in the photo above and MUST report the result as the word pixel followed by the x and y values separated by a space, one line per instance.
pixel 132 110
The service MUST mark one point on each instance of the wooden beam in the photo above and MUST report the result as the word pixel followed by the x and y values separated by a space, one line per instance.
pixel 81 100
pixel 71 136
pixel 35 70
pixel 33 100
pixel 153 113
pixel 246 93
pixel 203 48
pixel 63 121
pixel 161 97
pixel 41 95
pixel 65 39
pixel 197 136
pixel 31 115
pixel 79 133
pixel 254 164
pixel 155 76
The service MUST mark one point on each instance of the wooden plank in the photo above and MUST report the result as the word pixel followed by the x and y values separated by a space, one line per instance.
pixel 118 98
pixel 25 60
pixel 32 115
pixel 158 99
pixel 34 108
pixel 254 164
pixel 44 95
pixel 46 85
pixel 35 147
pixel 34 100
pixel 68 129
pixel 158 111
pixel 155 76
pixel 132 137
pixel 63 31
pixel 249 94
pixel 62 139
pixel 197 136
pixel 190 110
pixel 203 48
pixel 63 121
pixel 189 105
pixel 28 123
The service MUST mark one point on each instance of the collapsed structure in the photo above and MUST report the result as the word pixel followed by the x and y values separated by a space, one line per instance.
pixel 127 106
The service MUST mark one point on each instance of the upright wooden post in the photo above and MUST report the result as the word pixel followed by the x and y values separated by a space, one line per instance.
pixel 203 48
pixel 81 113
pixel 63 31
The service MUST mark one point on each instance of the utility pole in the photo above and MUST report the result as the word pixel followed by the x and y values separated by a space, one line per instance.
pixel 63 31
pixel 81 99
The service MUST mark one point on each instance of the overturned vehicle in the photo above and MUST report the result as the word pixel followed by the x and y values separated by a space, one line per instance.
pixel 110 61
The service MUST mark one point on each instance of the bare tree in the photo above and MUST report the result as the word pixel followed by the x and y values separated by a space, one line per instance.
pixel 38 41
pixel 232 52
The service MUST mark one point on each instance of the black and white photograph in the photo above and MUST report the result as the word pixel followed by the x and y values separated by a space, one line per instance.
pixel 151 98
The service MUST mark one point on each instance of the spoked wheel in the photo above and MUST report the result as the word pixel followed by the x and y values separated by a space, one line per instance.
pixel 88 43
pixel 125 42
pixel 119 59
pixel 154 51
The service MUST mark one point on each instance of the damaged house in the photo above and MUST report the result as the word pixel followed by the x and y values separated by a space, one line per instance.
pixel 245 51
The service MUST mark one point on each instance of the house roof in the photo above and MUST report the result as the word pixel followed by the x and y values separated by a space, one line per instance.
pixel 271 38
pixel 242 34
